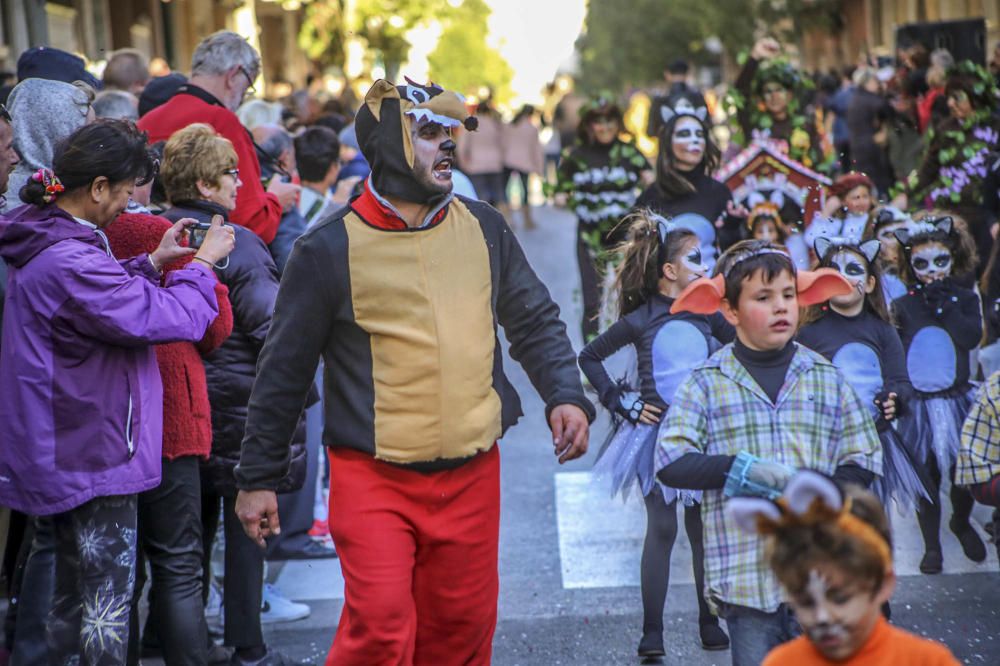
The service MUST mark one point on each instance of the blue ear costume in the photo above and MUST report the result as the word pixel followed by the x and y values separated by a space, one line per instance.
pixel 867 350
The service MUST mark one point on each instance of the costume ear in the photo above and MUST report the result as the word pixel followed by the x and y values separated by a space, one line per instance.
pixel 703 296
pixel 821 285
pixel 754 199
pixel 749 512
pixel 870 249
pixel 944 224
pixel 806 486
pixel 822 245
pixel 666 113
pixel 777 198
pixel 702 113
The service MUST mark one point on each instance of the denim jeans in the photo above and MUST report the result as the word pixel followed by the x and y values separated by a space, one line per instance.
pixel 754 633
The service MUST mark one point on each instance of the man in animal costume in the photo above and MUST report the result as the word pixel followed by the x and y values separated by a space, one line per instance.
pixel 401 293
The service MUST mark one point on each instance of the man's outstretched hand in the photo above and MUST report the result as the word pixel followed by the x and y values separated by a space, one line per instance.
pixel 570 432
pixel 258 511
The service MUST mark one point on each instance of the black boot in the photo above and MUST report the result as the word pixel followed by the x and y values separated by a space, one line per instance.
pixel 972 545
pixel 651 644
pixel 712 635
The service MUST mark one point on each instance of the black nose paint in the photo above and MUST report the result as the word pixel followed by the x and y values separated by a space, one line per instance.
pixel 448 145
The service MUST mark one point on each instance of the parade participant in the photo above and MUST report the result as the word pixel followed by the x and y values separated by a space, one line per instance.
pixel 659 260
pixel 223 68
pixel 415 394
pixel 598 180
pixel 978 465
pixel 201 181
pixel 958 153
pixel 939 322
pixel 764 224
pixel 882 226
pixel 830 549
pixel 767 99
pixel 853 331
pixel 684 189
pixel 82 417
pixel 712 439
pixel 851 200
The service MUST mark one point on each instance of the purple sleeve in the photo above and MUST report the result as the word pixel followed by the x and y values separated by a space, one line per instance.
pixel 140 266
pixel 104 302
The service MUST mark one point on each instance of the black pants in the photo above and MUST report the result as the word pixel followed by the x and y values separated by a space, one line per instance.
pixel 95 576
pixel 661 531
pixel 590 289
pixel 170 539
pixel 929 513
pixel 242 592
pixel 31 595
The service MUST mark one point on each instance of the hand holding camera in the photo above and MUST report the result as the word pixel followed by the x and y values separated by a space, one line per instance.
pixel 214 243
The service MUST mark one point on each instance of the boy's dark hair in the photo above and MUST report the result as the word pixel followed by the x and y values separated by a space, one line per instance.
pixel 797 549
pixel 647 246
pixel 316 150
pixel 115 149
pixel 739 263
pixel 678 67
pixel 874 302
pixel 958 241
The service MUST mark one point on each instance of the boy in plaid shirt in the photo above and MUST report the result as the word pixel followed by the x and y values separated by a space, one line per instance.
pixel 978 463
pixel 752 414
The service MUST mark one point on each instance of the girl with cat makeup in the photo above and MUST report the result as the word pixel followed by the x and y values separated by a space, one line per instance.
pixel 940 322
pixel 684 189
pixel 659 260
pixel 854 332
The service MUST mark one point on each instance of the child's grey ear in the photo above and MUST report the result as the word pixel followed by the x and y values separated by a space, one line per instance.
pixel 903 236
pixel 870 249
pixel 702 113
pixel 821 246
pixel 666 113
pixel 807 486
pixel 746 511
pixel 944 224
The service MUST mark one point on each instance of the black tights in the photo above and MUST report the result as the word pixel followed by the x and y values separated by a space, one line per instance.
pixel 929 513
pixel 661 531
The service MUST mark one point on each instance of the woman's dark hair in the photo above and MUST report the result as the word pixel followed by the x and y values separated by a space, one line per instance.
pixel 526 111
pixel 644 251
pixel 669 180
pixel 874 302
pixel 958 241
pixel 115 149
pixel 971 83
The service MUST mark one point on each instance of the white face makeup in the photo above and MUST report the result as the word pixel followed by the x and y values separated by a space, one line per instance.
pixel 688 142
pixel 852 267
pixel 930 262
pixel 693 262
pixel 835 615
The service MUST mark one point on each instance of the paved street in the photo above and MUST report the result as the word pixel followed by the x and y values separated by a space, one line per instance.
pixel 569 556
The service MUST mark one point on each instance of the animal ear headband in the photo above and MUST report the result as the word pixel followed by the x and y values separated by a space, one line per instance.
pixel 683 107
pixel 941 225
pixel 704 295
pixel 809 499
pixel 824 245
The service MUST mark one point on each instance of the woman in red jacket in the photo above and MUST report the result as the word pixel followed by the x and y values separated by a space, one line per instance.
pixel 170 515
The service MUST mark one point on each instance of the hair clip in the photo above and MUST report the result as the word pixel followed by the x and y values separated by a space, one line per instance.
pixel 53 186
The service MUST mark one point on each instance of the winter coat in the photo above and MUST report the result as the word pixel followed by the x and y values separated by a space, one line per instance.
pixel 187 420
pixel 82 412
pixel 252 279
pixel 256 209
pixel 522 149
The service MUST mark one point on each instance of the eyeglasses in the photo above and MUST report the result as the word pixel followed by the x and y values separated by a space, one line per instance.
pixel 251 90
pixel 5 114
pixel 235 173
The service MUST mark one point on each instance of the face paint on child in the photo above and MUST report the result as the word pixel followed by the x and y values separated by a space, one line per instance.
pixel 852 267
pixel 835 615
pixel 688 141
pixel 889 254
pixel 931 261
pixel 694 263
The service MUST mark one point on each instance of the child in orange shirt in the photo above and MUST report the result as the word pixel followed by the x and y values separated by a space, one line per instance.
pixel 830 550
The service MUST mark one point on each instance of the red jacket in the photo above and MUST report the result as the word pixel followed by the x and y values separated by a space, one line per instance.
pixel 187 419
pixel 256 210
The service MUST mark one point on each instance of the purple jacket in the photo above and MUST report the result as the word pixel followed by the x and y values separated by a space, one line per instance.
pixel 82 405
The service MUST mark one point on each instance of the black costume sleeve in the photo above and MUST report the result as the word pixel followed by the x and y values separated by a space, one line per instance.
pixel 697 471
pixel 286 368
pixel 591 360
pixel 722 330
pixel 537 336
pixel 895 377
pixel 744 85
pixel 961 317
pixel 851 473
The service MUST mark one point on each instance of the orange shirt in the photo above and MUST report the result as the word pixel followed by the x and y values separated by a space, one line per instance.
pixel 887 646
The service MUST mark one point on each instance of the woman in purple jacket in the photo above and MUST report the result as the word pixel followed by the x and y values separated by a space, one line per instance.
pixel 82 408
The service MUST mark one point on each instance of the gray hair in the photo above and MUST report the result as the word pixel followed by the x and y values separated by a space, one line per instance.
pixel 276 141
pixel 257 112
pixel 116 104
pixel 223 50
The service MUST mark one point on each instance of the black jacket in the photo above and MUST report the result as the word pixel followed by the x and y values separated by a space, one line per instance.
pixel 252 279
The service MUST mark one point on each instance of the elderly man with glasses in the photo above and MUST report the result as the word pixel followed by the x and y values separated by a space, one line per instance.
pixel 223 69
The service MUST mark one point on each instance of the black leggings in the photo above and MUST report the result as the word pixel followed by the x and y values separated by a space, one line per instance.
pixel 929 513
pixel 661 531
pixel 590 290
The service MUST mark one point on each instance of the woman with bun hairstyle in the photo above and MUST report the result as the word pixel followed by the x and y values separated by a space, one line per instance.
pixel 82 408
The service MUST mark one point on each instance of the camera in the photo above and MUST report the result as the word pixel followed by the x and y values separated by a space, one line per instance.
pixel 196 234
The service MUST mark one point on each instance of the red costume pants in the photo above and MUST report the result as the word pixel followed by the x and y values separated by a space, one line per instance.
pixel 419 557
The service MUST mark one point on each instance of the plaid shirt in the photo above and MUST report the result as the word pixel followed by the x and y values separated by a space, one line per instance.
pixel 817 422
pixel 979 448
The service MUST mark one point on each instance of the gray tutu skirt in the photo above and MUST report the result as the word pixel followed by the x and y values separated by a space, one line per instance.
pixel 904 476
pixel 933 426
pixel 626 465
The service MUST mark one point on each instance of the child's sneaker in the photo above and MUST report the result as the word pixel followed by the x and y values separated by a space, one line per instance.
pixel 277 608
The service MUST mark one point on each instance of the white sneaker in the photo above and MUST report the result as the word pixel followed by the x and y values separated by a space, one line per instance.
pixel 277 608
